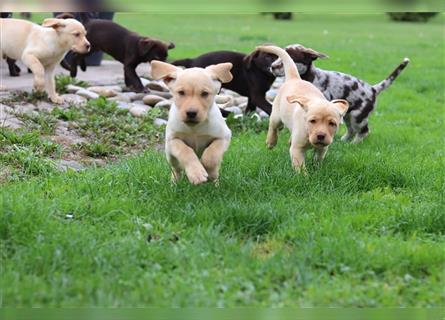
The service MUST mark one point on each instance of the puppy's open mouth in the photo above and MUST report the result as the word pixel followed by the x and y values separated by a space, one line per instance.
pixel 191 122
pixel 320 144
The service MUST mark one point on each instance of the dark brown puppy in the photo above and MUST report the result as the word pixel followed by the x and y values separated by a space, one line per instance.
pixel 123 45
pixel 251 74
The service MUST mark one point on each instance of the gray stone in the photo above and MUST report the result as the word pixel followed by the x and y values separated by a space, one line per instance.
pixel 152 100
pixel 139 110
pixel 243 106
pixel 87 94
pixel 220 99
pixel 44 106
pixel 121 98
pixel 166 95
pixel 240 100
pixel 72 88
pixel 103 91
pixel 160 122
pixel 10 122
pixel 271 94
pixel 262 113
pixel 145 82
pixel 117 89
pixel 66 165
pixel 166 104
pixel 157 86
pixel 123 105
pixel 73 99
pixel 27 108
pixel 234 110
pixel 132 96
pixel 231 93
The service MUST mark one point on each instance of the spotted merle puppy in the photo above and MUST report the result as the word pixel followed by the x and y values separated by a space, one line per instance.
pixel 336 85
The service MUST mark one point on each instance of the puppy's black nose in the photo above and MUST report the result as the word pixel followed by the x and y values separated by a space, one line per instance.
pixel 88 47
pixel 191 114
pixel 321 136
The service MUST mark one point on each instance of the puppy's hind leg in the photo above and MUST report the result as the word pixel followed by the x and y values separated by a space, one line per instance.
pixel 132 80
pixel 14 70
pixel 37 69
pixel 274 125
pixel 350 133
pixel 76 59
pixel 363 133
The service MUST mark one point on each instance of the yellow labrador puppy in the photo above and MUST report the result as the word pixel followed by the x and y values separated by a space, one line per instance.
pixel 197 135
pixel 304 110
pixel 41 48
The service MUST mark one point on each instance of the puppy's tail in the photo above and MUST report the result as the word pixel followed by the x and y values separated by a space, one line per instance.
pixel 379 87
pixel 290 69
pixel 187 63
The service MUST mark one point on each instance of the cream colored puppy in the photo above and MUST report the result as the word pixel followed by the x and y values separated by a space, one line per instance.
pixel 197 135
pixel 303 109
pixel 42 48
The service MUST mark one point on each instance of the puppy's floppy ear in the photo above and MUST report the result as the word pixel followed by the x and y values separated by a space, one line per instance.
pixel 53 23
pixel 221 71
pixel 171 45
pixel 165 71
pixel 145 45
pixel 341 105
pixel 308 52
pixel 65 15
pixel 301 100
pixel 249 59
pixel 313 54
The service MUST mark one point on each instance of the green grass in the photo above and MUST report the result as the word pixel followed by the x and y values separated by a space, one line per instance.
pixel 364 229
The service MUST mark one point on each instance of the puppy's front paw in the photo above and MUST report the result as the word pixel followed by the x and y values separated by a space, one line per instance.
pixel 39 86
pixel 57 99
pixel 197 175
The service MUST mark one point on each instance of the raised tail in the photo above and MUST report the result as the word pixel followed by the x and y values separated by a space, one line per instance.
pixel 187 63
pixel 379 87
pixel 290 69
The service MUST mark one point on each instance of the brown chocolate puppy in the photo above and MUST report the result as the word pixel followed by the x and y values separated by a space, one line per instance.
pixel 125 46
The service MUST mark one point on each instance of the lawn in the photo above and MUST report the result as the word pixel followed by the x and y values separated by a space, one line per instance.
pixel 367 228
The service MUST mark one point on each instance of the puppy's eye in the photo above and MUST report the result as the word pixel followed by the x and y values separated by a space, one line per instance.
pixel 332 124
pixel 312 121
pixel 181 92
pixel 204 94
pixel 77 34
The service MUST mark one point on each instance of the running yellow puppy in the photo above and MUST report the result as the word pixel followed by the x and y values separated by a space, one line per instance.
pixel 197 135
pixel 303 109
pixel 41 48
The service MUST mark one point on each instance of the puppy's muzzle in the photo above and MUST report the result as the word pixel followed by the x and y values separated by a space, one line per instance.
pixel 192 117
pixel 276 69
pixel 321 139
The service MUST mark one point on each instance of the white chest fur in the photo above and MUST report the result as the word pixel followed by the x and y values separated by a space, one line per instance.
pixel 199 136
